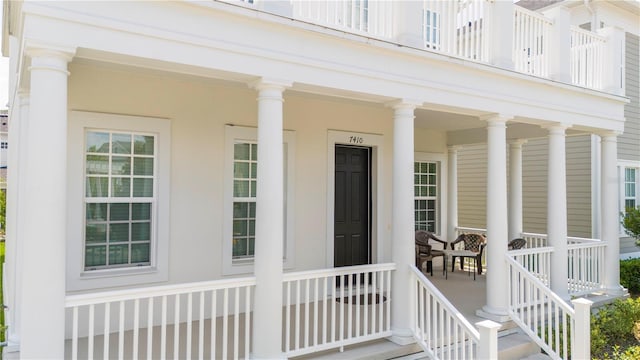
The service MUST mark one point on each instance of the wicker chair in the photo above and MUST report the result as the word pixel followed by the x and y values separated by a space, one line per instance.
pixel 516 244
pixel 425 251
pixel 472 242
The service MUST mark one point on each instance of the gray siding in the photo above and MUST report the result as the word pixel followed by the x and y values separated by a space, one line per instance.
pixel 629 142
pixel 579 186
pixel 472 186
pixel 534 185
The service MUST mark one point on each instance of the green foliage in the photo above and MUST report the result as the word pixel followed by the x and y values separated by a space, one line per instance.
pixel 613 326
pixel 631 353
pixel 3 209
pixel 631 223
pixel 630 275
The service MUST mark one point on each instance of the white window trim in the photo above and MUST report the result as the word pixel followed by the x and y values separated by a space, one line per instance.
pixel 442 188
pixel 622 164
pixel 375 142
pixel 158 271
pixel 245 266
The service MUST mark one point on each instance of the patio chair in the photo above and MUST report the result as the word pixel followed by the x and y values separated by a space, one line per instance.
pixel 472 242
pixel 425 251
pixel 517 243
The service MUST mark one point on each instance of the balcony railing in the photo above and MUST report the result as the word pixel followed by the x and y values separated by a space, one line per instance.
pixel 587 58
pixel 531 42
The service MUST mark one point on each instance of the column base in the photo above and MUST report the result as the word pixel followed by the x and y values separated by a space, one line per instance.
pixel 402 337
pixel 617 291
pixel 497 315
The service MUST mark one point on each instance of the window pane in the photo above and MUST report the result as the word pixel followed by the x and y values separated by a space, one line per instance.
pixel 239 247
pixel 121 144
pixel 254 170
pixel 97 142
pixel 97 187
pixel 423 167
pixel 95 256
pixel 252 227
pixel 140 231
pixel 119 212
pixel 142 187
pixel 432 191
pixel 432 168
pixel 253 188
pixel 96 233
pixel 140 253
pixel 121 187
pixel 97 212
pixel 254 152
pixel 241 151
pixel 240 210
pixel 118 254
pixel 141 211
pixel 120 165
pixel 252 209
pixel 416 168
pixel 142 166
pixel 252 246
pixel 241 170
pixel 239 227
pixel 97 164
pixel 240 188
pixel 423 179
pixel 143 145
pixel 118 232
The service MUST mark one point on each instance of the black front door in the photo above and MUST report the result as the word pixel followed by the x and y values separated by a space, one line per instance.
pixel 352 225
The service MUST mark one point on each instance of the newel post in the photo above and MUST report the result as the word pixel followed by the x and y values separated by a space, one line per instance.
pixel 488 344
pixel 614 58
pixel 581 345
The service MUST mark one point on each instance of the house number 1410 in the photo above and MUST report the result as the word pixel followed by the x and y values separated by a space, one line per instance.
pixel 355 140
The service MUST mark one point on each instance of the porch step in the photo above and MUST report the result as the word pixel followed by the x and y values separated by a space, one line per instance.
pixel 516 346
pixel 375 350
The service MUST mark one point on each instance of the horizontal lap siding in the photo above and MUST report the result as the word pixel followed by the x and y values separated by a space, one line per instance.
pixel 472 186
pixel 629 141
pixel 534 185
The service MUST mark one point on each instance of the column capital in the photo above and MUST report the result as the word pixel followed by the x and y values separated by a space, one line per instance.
pixel 495 119
pixel 265 83
pixel 556 128
pixel 399 104
pixel 48 56
pixel 454 148
pixel 516 143
pixel 608 134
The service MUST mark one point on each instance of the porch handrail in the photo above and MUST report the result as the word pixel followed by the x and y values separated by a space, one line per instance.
pixel 330 308
pixel 581 240
pixel 536 260
pixel 534 240
pixel 463 229
pixel 156 310
pixel 586 266
pixel 545 317
pixel 440 329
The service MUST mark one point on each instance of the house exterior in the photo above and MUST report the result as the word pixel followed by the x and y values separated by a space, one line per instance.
pixel 187 164
pixel 583 153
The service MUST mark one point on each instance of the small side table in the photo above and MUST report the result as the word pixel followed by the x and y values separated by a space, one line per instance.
pixel 448 254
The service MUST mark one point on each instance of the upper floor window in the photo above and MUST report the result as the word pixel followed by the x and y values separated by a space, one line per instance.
pixel 631 187
pixel 426 195
pixel 119 199
pixel 245 168
pixel 431 29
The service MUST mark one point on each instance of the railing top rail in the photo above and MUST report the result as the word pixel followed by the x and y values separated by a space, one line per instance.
pixel 520 9
pixel 447 305
pixel 530 251
pixel 557 299
pixel 464 228
pixel 320 273
pixel 587 245
pixel 583 240
pixel 591 34
pixel 148 292
pixel 528 234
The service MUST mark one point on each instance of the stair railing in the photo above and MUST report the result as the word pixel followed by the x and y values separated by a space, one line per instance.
pixel 560 330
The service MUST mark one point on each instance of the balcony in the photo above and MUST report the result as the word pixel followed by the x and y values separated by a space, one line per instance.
pixel 497 33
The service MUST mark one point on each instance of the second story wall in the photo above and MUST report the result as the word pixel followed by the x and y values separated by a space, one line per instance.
pixel 629 141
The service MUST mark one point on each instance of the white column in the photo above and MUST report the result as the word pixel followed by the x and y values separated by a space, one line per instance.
pixel 515 188
pixel 560 44
pixel 403 224
pixel 610 224
pixel 501 27
pixel 497 229
pixel 18 126
pixel 45 207
pixel 557 209
pixel 408 24
pixel 452 194
pixel 267 314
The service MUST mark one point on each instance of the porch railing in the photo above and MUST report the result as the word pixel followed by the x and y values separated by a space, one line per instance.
pixel 586 265
pixel 129 322
pixel 330 308
pixel 535 240
pixel 374 18
pixel 535 260
pixel 587 58
pixel 555 326
pixel 531 42
pixel 443 332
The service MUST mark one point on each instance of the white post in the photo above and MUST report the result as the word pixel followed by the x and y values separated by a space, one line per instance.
pixel 502 27
pixel 488 344
pixel 515 188
pixel 452 194
pixel 497 228
pixel 267 314
pixel 45 208
pixel 557 210
pixel 559 50
pixel 609 226
pixel 614 58
pixel 18 137
pixel 581 346
pixel 403 224
pixel 408 24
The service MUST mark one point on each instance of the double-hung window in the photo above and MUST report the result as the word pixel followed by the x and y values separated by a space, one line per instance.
pixel 426 195
pixel 119 198
pixel 241 176
pixel 631 191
